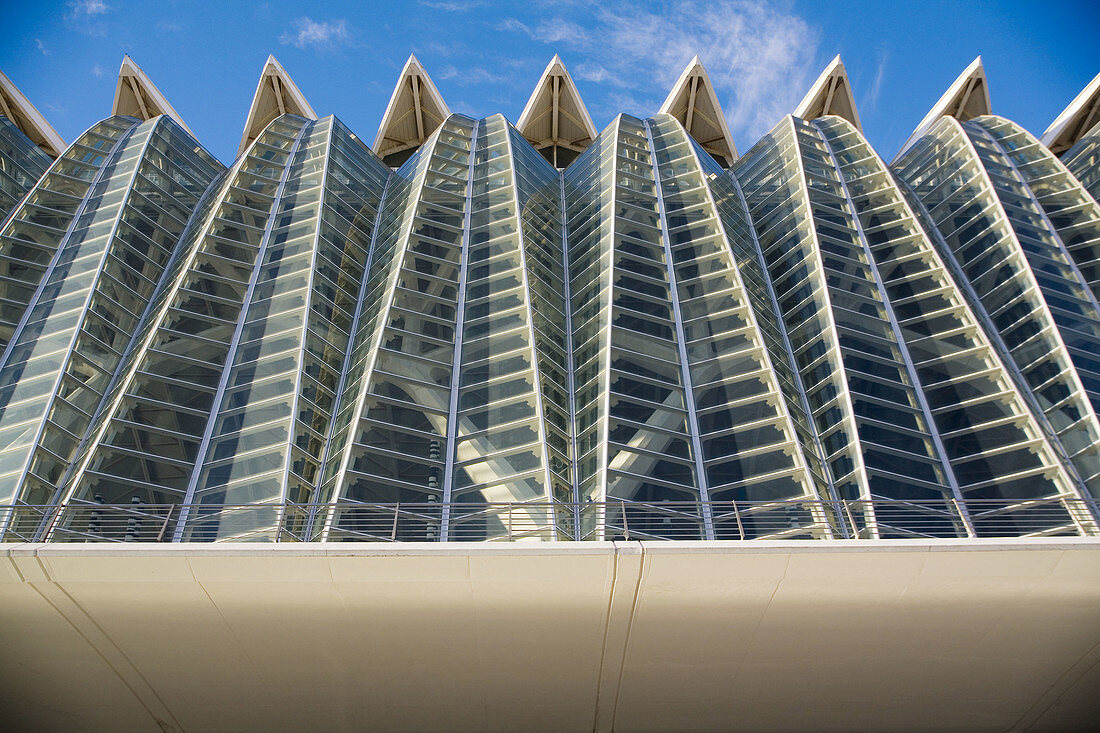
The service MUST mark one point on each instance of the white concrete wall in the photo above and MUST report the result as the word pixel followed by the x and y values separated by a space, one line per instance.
pixel 630 636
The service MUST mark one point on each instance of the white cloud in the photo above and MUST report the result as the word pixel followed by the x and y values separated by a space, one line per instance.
pixel 597 74
pixel 761 58
pixel 472 75
pixel 871 98
pixel 41 46
pixel 97 71
pixel 320 36
pixel 88 8
pixel 85 16
pixel 514 26
pixel 453 6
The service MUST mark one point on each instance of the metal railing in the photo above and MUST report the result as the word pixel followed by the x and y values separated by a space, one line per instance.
pixel 549 521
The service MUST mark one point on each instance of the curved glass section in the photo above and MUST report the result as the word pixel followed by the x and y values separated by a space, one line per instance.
pixel 1033 297
pixel 875 430
pixel 1083 161
pixel 393 429
pixel 30 238
pixel 264 442
pixel 147 438
pixel 1057 203
pixel 477 346
pixel 65 352
pixel 996 449
pixel 22 163
pixel 745 435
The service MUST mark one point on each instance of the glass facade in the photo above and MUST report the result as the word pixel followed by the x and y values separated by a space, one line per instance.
pixel 22 163
pixel 648 343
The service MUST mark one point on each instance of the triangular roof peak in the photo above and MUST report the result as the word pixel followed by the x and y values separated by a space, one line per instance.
pixel 831 94
pixel 1082 114
pixel 965 99
pixel 415 111
pixel 28 119
pixel 555 116
pixel 694 103
pixel 276 95
pixel 137 96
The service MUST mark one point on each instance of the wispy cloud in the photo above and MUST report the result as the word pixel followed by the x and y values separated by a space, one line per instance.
pixel 870 100
pixel 597 74
pixel 41 45
pixel 320 36
pixel 472 75
pixel 97 71
pixel 87 16
pixel 454 6
pixel 552 30
pixel 88 8
pixel 760 56
pixel 168 26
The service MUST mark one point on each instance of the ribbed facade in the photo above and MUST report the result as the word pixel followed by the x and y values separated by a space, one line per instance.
pixel 802 341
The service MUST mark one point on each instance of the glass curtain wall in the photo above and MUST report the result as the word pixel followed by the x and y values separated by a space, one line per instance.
pixel 1083 161
pixel 22 163
pixel 147 439
pixel 309 346
pixel 264 443
pixel 394 431
pixel 875 430
pixel 459 380
pixel 996 448
pixel 30 238
pixel 1038 305
pixel 66 350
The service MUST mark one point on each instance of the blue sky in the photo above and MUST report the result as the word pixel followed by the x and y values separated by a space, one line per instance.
pixel 485 57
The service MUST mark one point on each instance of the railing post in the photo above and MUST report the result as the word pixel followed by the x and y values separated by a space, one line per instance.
pixel 626 526
pixel 133 525
pixel 167 519
pixel 737 515
pixel 851 518
pixel 393 530
pixel 510 521
pixel 964 516
pixel 93 518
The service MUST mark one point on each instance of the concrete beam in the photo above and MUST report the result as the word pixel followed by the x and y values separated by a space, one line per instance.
pixel 630 636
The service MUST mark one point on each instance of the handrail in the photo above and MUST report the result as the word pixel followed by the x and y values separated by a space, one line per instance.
pixel 616 519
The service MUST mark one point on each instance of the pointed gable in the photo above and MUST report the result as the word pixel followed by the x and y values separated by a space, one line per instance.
pixel 137 96
pixel 831 94
pixel 965 99
pixel 276 95
pixel 415 111
pixel 28 119
pixel 694 103
pixel 1082 114
pixel 555 120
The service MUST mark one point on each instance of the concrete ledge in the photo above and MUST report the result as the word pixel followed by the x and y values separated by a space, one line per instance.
pixel 875 635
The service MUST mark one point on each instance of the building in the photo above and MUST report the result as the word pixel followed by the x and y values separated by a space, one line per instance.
pixel 474 332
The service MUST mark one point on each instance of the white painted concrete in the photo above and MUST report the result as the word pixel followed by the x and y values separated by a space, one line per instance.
pixel 629 636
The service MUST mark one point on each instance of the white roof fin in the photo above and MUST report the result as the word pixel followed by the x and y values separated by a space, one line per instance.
pixel 1082 114
pixel 555 115
pixel 415 111
pixel 27 118
pixel 965 99
pixel 137 96
pixel 276 95
pixel 694 103
pixel 831 94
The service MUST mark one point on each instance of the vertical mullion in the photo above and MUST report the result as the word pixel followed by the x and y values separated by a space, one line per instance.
pixel 456 356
